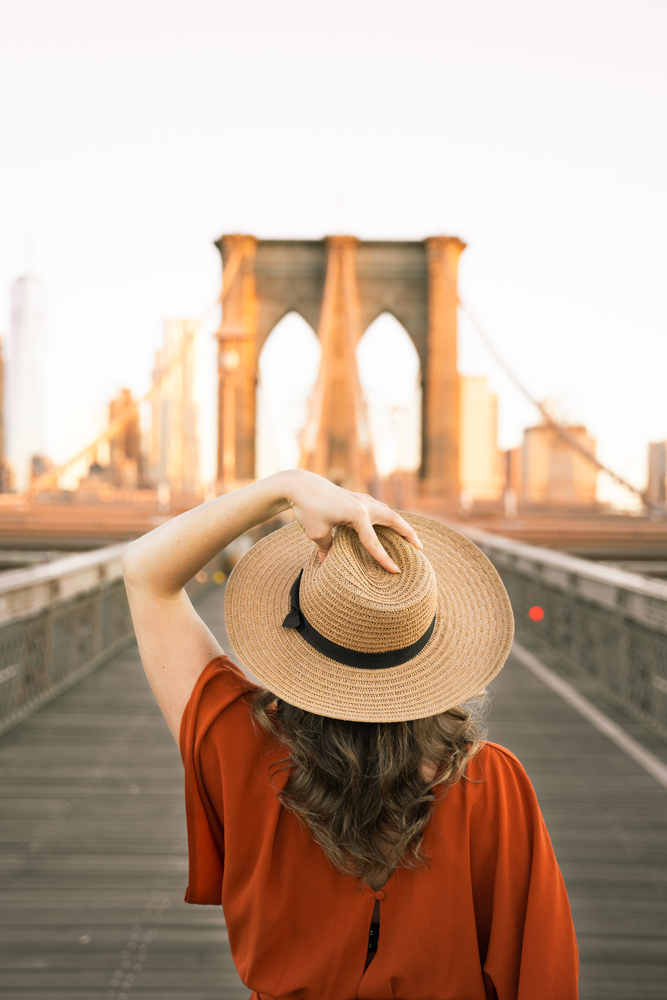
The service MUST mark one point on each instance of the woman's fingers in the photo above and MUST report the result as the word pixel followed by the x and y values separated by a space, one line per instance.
pixel 367 496
pixel 323 538
pixel 319 506
pixel 362 521
pixel 390 519
pixel 363 527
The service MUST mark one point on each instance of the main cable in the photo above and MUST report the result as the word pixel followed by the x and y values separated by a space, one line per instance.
pixel 563 432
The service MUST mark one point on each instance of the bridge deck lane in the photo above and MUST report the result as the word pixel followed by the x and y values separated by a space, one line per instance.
pixel 607 818
pixel 92 846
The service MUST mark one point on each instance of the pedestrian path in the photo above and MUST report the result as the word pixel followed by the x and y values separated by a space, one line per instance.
pixel 93 851
pixel 607 817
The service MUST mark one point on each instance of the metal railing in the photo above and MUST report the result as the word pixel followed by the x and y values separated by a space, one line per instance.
pixel 58 622
pixel 61 620
pixel 599 621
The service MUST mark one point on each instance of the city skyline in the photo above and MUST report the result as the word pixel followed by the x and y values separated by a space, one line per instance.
pixel 155 441
pixel 439 121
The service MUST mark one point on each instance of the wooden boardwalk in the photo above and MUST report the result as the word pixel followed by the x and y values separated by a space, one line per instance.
pixel 93 862
pixel 93 847
pixel 608 822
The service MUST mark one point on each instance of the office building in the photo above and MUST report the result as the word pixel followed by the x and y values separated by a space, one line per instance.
pixel 25 378
pixel 657 474
pixel 174 458
pixel 555 474
pixel 480 462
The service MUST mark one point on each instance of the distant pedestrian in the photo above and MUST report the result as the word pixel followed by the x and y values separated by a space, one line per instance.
pixel 362 836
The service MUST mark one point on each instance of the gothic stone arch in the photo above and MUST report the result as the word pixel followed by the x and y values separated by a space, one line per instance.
pixel 416 281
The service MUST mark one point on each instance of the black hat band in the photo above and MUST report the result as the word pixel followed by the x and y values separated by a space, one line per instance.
pixel 341 654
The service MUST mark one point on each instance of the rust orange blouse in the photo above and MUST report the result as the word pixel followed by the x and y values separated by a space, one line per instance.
pixel 489 919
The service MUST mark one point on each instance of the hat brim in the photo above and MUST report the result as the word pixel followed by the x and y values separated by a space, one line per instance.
pixel 470 643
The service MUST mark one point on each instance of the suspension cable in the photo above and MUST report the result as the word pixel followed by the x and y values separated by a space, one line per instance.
pixel 563 432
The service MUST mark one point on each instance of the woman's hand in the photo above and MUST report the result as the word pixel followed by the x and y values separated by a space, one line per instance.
pixel 319 506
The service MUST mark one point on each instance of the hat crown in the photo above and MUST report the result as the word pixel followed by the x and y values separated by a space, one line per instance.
pixel 352 601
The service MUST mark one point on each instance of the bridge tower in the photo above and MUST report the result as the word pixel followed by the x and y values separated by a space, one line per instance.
pixel 340 285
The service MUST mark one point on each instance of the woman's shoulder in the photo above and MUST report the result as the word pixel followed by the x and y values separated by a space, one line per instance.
pixel 496 755
pixel 222 690
pixel 224 673
pixel 495 787
pixel 494 767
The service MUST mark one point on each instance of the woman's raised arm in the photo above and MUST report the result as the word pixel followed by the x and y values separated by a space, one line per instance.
pixel 174 643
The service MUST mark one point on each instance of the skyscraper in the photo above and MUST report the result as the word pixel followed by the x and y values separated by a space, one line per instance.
pixel 24 384
pixel 657 474
pixel 554 473
pixel 3 447
pixel 174 456
pixel 481 471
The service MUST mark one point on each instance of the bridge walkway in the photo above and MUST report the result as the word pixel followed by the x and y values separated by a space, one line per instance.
pixel 93 850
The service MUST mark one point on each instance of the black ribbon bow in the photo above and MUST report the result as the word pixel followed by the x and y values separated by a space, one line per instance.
pixel 293 617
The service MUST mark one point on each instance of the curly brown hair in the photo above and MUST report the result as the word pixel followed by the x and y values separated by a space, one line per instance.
pixel 360 786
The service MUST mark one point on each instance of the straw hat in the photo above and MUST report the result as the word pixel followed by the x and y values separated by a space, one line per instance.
pixel 346 639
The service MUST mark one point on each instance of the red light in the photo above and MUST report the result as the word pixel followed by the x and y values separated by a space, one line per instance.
pixel 536 613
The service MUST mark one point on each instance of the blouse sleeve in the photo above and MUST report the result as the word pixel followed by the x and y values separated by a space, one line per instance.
pixel 219 688
pixel 530 947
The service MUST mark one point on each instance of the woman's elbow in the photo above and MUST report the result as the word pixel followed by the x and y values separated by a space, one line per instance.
pixel 130 565
pixel 143 574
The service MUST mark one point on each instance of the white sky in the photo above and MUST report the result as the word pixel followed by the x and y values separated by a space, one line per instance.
pixel 134 133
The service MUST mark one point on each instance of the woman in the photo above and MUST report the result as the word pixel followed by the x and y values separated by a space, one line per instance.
pixel 362 838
